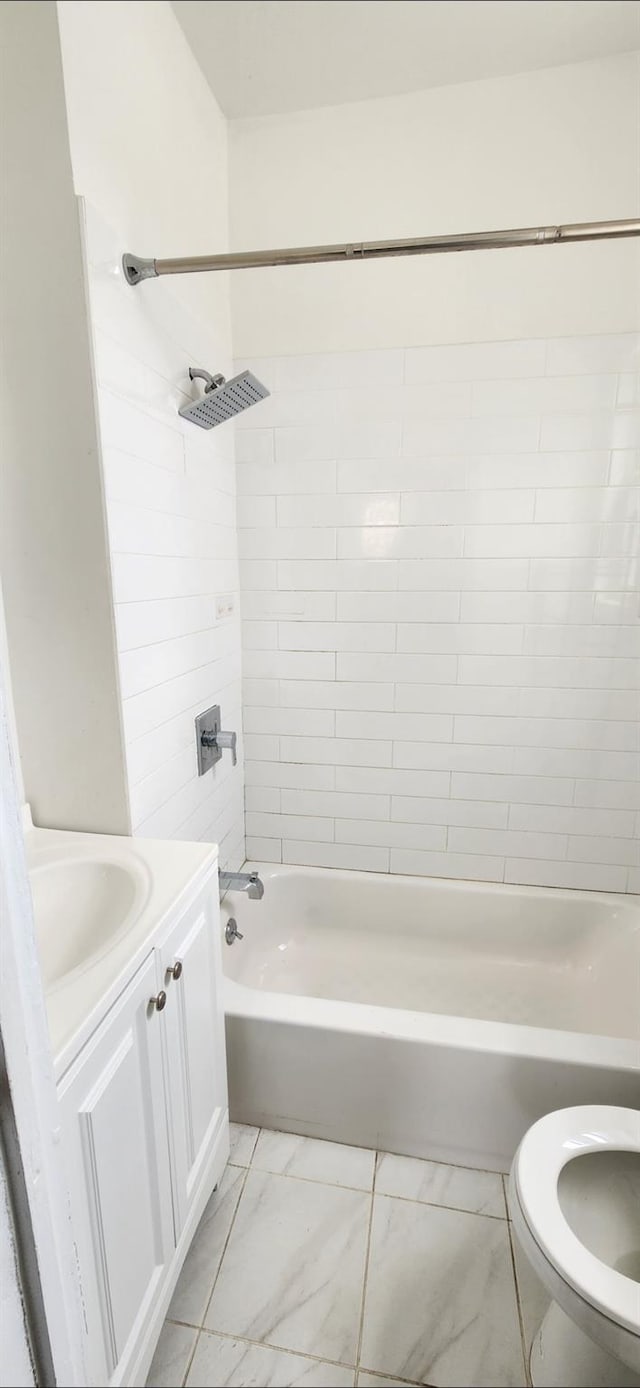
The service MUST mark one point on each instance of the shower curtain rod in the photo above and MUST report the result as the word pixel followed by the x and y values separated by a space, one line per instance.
pixel 136 269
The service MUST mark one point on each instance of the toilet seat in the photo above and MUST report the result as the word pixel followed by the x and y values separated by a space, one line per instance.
pixel 545 1149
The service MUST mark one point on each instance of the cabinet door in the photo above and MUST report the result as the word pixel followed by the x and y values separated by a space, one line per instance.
pixel 115 1134
pixel 196 1066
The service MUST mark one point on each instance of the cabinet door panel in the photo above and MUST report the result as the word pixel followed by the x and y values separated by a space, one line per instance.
pixel 196 1068
pixel 115 1133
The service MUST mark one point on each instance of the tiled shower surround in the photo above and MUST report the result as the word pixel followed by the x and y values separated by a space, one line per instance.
pixel 439 571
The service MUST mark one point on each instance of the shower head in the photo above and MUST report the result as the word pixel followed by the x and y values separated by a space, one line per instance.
pixel 222 399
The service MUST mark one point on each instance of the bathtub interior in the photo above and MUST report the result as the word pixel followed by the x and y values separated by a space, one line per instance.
pixel 534 956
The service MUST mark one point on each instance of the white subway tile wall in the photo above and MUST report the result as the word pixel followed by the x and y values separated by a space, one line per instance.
pixel 170 501
pixel 439 569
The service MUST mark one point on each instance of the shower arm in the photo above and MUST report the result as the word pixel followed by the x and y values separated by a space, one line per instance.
pixel 135 269
pixel 197 373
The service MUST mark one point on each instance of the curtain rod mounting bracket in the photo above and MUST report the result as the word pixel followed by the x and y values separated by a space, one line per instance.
pixel 136 269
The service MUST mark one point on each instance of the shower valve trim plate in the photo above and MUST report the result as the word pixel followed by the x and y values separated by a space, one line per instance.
pixel 211 740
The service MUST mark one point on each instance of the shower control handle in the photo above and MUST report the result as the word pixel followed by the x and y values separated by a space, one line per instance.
pixel 229 742
pixel 226 741
pixel 211 740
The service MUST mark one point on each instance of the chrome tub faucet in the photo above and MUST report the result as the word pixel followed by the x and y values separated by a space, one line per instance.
pixel 248 882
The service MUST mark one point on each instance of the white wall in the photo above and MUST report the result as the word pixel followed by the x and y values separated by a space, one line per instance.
pixel 148 140
pixel 551 146
pixel 148 147
pixel 54 555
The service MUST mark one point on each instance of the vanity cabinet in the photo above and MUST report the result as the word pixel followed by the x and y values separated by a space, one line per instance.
pixel 145 1128
pixel 115 1131
pixel 195 1054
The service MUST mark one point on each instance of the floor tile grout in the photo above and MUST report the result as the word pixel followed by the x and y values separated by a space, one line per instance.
pixel 230 1161
pixel 259 1133
pixel 191 1358
pixel 215 1280
pixel 373 1190
pixel 436 1205
pixel 379 1152
pixel 295 1353
pixel 366 1267
pixel 435 1161
pixel 226 1245
pixel 309 1180
pixel 268 1344
pixel 523 1340
pixel 392 1378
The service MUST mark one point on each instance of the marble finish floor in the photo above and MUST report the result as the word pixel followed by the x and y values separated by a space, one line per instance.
pixel 316 1263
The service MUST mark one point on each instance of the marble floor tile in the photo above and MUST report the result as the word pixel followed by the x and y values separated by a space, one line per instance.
pixel 293 1270
pixel 193 1288
pixel 236 1362
pixel 289 1155
pixel 457 1187
pixel 170 1360
pixel 243 1140
pixel 440 1305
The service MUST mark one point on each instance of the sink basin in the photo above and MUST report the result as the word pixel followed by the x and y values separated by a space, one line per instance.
pixel 81 907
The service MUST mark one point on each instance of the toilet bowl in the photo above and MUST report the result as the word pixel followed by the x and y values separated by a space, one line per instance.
pixel 575 1205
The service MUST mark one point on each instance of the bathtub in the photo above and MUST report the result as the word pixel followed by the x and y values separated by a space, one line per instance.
pixel 434 1018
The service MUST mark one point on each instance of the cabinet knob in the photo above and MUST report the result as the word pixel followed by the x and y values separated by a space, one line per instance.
pixel 160 1001
pixel 176 970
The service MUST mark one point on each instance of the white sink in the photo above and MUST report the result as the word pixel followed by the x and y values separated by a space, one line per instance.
pixel 82 905
pixel 98 900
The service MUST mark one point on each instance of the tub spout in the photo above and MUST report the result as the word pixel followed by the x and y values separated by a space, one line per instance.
pixel 248 882
pixel 256 887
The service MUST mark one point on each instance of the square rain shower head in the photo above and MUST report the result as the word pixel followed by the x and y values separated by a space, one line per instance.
pixel 223 399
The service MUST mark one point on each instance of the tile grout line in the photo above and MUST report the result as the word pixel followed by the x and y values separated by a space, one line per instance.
pixel 364 1190
pixel 382 1152
pixel 215 1280
pixel 437 1205
pixel 295 1353
pixel 366 1270
pixel 523 1343
pixel 392 1378
pixel 309 1180
pixel 266 1344
pixel 191 1357
pixel 411 1199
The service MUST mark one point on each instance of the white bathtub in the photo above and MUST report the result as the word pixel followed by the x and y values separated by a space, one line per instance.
pixel 429 1017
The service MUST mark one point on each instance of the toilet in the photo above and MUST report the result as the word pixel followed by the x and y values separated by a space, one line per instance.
pixel 574 1194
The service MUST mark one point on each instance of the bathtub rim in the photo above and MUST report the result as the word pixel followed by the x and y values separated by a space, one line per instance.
pixel 432 1028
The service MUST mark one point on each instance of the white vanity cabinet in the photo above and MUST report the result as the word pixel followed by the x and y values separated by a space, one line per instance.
pixel 195 1050
pixel 116 1140
pixel 145 1128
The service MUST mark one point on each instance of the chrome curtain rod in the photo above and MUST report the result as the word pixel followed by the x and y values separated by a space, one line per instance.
pixel 136 269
